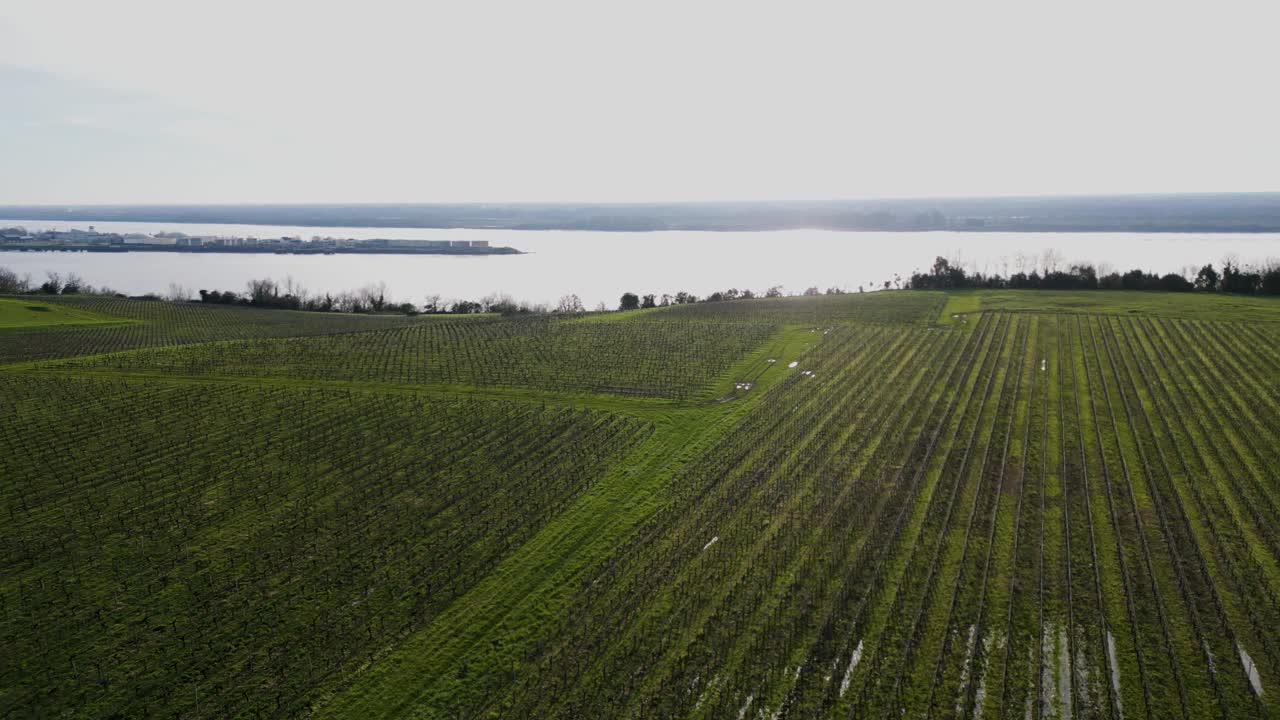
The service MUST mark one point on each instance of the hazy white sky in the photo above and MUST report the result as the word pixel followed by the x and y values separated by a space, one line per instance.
pixel 260 101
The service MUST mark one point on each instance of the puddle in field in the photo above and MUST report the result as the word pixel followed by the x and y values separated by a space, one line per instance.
pixel 710 686
pixel 711 542
pixel 1064 673
pixel 1044 365
pixel 853 663
pixel 1081 667
pixel 996 642
pixel 1055 674
pixel 964 672
pixel 1251 670
pixel 1115 670
pixel 793 363
pixel 1029 710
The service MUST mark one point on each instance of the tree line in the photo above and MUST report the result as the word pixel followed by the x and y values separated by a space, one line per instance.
pixel 1232 278
pixel 372 298
pixel 945 274
pixel 631 301
pixel 55 284
pixel 375 297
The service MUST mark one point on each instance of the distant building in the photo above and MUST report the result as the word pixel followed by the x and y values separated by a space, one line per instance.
pixel 416 243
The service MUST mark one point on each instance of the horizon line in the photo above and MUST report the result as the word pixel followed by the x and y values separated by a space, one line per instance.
pixel 879 198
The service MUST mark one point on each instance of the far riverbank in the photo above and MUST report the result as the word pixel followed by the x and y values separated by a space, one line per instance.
pixel 597 266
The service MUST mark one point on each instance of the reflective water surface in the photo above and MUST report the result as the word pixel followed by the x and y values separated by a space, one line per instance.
pixel 600 266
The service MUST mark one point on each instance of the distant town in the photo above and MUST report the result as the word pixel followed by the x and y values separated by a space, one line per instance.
pixel 1192 212
pixel 90 240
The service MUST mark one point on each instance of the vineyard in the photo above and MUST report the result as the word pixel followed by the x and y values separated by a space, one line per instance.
pixel 110 325
pixel 666 359
pixel 876 307
pixel 890 505
pixel 207 551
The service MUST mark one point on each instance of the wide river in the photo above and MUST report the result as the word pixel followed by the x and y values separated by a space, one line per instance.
pixel 600 266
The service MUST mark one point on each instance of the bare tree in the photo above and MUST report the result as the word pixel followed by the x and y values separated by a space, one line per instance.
pixel 177 293
pixel 293 289
pixel 349 303
pixel 10 283
pixel 261 291
pixel 500 303
pixel 1051 259
pixel 374 296
pixel 570 304
pixel 53 285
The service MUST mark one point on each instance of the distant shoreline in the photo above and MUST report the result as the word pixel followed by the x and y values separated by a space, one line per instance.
pixel 472 251
pixel 1237 213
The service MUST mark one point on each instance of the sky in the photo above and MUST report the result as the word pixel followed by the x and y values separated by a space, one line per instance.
pixel 140 101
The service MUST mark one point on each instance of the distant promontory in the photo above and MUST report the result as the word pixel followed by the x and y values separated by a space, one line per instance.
pixel 90 240
pixel 1201 212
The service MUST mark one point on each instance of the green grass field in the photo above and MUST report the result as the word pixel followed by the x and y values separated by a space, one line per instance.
pixel 33 313
pixel 976 504
pixel 1193 306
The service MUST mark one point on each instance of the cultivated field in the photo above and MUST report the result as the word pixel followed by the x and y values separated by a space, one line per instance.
pixel 666 359
pixel 1004 505
pixel 93 325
